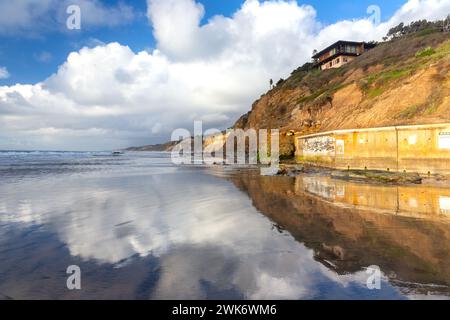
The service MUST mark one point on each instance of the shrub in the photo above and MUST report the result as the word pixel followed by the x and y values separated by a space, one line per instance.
pixel 411 111
pixel 280 82
pixel 420 27
pixel 428 51
pixel 375 92
pixel 304 68
pixel 394 74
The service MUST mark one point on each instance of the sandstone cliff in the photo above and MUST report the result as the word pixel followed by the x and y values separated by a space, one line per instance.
pixel 403 81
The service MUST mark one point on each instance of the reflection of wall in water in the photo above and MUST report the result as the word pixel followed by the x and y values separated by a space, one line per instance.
pixel 407 200
pixel 346 238
pixel 322 188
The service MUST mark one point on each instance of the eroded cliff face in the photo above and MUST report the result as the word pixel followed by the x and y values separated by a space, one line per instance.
pixel 406 81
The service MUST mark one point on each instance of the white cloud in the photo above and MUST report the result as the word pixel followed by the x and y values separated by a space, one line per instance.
pixel 21 16
pixel 35 18
pixel 94 13
pixel 4 74
pixel 212 72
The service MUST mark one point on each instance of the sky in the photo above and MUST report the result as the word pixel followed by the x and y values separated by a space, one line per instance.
pixel 137 70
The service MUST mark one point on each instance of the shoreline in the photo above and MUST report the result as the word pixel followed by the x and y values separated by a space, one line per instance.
pixel 366 176
pixel 292 169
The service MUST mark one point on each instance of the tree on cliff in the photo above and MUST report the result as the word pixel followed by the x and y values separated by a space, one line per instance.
pixel 418 26
pixel 446 24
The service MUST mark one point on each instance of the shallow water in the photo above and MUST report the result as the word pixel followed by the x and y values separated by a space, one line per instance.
pixel 141 228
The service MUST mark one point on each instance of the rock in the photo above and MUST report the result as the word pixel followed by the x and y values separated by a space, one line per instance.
pixel 270 171
pixel 377 176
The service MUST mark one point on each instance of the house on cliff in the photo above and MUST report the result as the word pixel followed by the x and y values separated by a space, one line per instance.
pixel 340 53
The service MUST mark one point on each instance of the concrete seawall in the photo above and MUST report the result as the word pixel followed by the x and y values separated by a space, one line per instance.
pixel 419 148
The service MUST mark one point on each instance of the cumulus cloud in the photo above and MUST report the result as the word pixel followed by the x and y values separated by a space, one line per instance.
pixel 33 18
pixel 211 71
pixel 4 74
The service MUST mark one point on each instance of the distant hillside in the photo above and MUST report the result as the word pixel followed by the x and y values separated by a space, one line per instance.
pixel 402 81
pixel 156 147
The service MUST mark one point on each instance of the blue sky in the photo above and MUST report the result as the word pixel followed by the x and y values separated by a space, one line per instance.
pixel 32 59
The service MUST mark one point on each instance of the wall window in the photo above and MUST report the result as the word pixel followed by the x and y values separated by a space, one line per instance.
pixel 350 49
pixel 444 140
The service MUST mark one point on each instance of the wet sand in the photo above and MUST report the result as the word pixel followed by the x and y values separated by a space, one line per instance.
pixel 142 228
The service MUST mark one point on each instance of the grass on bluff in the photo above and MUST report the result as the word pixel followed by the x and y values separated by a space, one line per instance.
pixel 429 51
pixel 432 108
pixel 375 92
pixel 324 95
pixel 410 112
pixel 378 70
pixel 400 57
pixel 429 107
pixel 374 85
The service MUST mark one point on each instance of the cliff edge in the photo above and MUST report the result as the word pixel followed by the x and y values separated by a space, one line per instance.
pixel 402 81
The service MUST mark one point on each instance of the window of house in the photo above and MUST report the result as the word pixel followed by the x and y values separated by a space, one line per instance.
pixel 350 49
pixel 338 60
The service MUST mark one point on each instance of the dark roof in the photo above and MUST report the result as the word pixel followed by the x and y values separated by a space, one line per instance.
pixel 340 42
